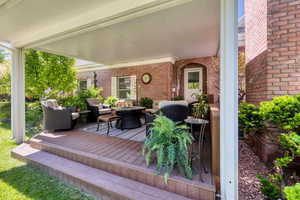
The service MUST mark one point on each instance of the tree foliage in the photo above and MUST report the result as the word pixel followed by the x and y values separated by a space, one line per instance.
pixel 47 74
pixel 5 78
pixel 2 56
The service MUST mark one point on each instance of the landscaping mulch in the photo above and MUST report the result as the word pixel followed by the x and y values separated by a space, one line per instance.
pixel 249 166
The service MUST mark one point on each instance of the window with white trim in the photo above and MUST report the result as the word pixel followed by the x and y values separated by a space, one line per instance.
pixel 124 87
pixel 82 85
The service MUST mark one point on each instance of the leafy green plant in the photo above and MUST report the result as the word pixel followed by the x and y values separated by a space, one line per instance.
pixel 34 116
pixel 269 189
pixel 292 192
pixel 283 111
pixel 249 117
pixel 200 110
pixel 178 98
pixel 111 101
pixel 201 98
pixel 291 143
pixel 146 102
pixel 48 72
pixel 169 142
pixel 79 100
pixel 275 184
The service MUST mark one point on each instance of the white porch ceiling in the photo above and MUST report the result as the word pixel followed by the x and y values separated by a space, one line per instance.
pixel 182 29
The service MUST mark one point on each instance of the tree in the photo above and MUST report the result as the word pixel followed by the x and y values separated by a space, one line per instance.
pixel 5 78
pixel 48 75
pixel 2 55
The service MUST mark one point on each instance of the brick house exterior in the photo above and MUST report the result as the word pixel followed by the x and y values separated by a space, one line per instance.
pixel 167 78
pixel 272 48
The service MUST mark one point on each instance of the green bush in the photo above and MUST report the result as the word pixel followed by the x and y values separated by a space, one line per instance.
pixel 283 111
pixel 111 101
pixel 269 189
pixel 200 110
pixel 178 98
pixel 249 117
pixel 291 143
pixel 169 142
pixel 292 192
pixel 201 98
pixel 33 116
pixel 146 102
pixel 79 100
pixel 5 111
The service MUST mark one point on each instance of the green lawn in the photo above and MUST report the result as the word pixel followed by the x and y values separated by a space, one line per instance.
pixel 21 182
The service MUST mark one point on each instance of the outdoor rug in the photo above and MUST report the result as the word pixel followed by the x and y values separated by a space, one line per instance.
pixel 137 134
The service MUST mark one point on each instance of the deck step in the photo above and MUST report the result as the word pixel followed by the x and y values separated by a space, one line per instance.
pixel 187 188
pixel 91 180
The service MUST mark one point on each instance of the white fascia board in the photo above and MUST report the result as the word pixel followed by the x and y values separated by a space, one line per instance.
pixel 112 13
pixel 88 68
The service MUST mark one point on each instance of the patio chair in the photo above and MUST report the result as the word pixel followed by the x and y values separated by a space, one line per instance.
pixel 176 112
pixel 56 117
pixel 96 108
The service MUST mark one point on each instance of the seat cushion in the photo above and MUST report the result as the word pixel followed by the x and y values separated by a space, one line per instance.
pixel 104 111
pixel 75 115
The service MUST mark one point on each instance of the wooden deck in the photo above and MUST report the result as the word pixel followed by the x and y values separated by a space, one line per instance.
pixel 121 155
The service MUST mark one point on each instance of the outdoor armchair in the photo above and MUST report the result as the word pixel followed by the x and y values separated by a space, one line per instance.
pixel 96 108
pixel 176 112
pixel 56 117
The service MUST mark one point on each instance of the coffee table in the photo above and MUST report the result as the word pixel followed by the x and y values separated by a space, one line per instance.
pixel 129 117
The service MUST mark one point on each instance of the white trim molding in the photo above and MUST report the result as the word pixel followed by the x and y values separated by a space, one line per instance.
pixel 229 100
pixel 18 95
pixel 96 67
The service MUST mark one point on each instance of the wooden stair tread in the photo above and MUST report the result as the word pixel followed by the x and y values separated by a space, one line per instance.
pixel 117 186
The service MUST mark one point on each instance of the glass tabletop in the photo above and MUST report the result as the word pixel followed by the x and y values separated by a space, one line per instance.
pixel 192 120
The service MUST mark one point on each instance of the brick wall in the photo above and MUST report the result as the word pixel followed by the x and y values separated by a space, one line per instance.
pixel 160 87
pixel 256 49
pixel 165 77
pixel 283 47
pixel 255 28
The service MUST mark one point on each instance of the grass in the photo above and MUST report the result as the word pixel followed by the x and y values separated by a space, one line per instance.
pixel 21 182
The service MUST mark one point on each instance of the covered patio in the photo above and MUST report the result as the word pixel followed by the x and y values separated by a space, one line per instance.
pixel 115 33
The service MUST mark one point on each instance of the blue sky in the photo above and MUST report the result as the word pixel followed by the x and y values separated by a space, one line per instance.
pixel 241 8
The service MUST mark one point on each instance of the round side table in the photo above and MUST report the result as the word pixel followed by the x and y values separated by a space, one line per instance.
pixel 203 123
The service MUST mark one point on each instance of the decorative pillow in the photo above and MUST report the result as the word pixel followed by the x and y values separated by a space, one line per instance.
pixel 52 103
pixel 93 101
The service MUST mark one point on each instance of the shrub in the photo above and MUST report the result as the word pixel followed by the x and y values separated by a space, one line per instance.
pixel 292 192
pixel 283 111
pixel 201 98
pixel 34 116
pixel 111 101
pixel 169 142
pixel 249 117
pixel 178 98
pixel 269 189
pixel 79 100
pixel 200 110
pixel 146 102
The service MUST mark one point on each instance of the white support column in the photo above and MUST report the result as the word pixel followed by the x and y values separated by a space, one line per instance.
pixel 229 100
pixel 18 95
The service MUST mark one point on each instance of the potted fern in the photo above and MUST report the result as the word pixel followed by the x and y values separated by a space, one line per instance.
pixel 169 142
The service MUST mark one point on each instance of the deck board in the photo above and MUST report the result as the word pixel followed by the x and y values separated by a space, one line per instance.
pixel 114 148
